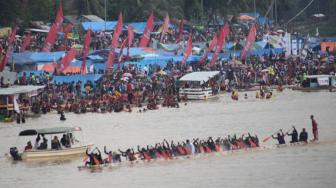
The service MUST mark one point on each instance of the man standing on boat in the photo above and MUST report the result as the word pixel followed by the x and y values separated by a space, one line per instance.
pixel 314 126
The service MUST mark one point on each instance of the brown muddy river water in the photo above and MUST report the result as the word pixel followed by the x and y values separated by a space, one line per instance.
pixel 312 165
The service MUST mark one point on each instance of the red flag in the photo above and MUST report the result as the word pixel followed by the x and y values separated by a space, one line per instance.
pixel 181 29
pixel 249 41
pixel 120 59
pixel 188 50
pixel 66 31
pixel 68 58
pixel 146 34
pixel 220 43
pixel 26 42
pixel 212 45
pixel 165 27
pixel 9 50
pixel 130 39
pixel 115 38
pixel 86 48
pixel 59 17
pixel 51 39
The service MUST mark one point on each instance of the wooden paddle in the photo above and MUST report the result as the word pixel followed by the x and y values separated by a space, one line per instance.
pixel 269 137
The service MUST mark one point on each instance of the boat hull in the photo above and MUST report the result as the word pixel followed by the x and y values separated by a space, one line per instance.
pixel 310 89
pixel 55 154
pixel 197 93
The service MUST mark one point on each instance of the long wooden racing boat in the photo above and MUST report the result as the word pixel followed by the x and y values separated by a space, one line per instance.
pixel 195 156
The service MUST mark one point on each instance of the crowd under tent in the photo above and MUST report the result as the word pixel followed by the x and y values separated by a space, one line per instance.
pixel 8 96
pixel 99 26
pixel 34 60
pixel 93 78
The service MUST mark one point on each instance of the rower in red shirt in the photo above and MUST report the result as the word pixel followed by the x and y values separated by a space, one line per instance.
pixel 314 126
pixel 28 146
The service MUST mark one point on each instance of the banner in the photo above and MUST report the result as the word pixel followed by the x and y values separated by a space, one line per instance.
pixel 115 38
pixel 120 58
pixel 130 39
pixel 180 33
pixel 86 48
pixel 52 35
pixel 188 50
pixel 59 17
pixel 212 45
pixel 51 39
pixel 323 81
pixel 165 27
pixel 26 42
pixel 220 43
pixel 68 58
pixel 146 34
pixel 9 50
pixel 249 41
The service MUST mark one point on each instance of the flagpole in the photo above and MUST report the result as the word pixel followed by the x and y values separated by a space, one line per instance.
pixel 105 18
pixel 255 9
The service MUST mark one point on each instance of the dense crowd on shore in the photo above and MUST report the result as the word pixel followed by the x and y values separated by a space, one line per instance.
pixel 150 86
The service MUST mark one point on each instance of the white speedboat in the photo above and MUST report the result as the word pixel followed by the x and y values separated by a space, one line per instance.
pixel 196 85
pixel 74 149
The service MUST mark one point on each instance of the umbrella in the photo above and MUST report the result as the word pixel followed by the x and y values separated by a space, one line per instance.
pixel 124 79
pixel 127 74
pixel 246 17
pixel 161 73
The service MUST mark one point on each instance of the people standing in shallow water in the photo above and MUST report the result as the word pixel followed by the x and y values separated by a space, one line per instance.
pixel 314 127
pixel 62 118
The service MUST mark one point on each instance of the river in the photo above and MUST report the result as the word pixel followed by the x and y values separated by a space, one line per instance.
pixel 312 165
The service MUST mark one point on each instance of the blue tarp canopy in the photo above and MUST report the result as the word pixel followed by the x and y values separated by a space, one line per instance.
pixel 28 73
pixel 99 26
pixel 75 78
pixel 36 57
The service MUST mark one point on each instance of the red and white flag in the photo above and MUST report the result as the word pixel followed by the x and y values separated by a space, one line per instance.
pixel 65 62
pixel 180 33
pixel 165 27
pixel 26 42
pixel 188 50
pixel 59 17
pixel 120 58
pixel 9 50
pixel 146 34
pixel 249 41
pixel 51 39
pixel 130 39
pixel 212 45
pixel 115 38
pixel 86 49
pixel 220 43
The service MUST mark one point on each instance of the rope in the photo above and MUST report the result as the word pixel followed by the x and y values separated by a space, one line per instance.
pixel 299 13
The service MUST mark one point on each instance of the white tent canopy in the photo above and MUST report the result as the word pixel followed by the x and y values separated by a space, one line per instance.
pixel 199 76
